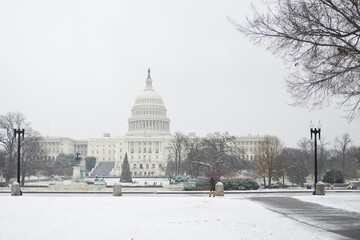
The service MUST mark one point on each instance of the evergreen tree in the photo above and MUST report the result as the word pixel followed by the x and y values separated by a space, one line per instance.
pixel 333 176
pixel 90 163
pixel 125 171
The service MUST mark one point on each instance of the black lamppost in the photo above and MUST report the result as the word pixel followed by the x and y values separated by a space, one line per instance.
pixel 315 131
pixel 18 132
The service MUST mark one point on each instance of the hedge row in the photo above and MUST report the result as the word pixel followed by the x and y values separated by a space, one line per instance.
pixel 232 184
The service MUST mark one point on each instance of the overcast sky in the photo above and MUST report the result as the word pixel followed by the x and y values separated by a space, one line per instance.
pixel 74 69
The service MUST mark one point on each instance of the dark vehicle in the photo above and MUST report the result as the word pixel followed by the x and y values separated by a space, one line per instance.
pixel 275 186
pixel 353 185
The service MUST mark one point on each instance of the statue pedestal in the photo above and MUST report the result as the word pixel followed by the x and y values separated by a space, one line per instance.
pixel 77 174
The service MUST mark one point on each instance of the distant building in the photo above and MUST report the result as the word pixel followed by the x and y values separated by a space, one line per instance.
pixel 248 145
pixel 55 145
pixel 147 142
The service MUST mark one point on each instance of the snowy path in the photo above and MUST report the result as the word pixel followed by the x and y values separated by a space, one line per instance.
pixel 348 202
pixel 339 221
pixel 135 217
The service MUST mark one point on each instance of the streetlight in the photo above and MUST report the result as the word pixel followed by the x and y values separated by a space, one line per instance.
pixel 315 131
pixel 19 132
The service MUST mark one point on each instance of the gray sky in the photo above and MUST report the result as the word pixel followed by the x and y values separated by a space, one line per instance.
pixel 74 68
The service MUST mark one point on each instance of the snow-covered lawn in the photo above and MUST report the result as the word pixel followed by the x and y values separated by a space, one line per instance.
pixel 344 201
pixel 145 217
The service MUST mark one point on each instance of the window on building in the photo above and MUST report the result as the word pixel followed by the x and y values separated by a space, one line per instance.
pixel 147 166
pixel 141 166
pixel 153 166
pixel 134 166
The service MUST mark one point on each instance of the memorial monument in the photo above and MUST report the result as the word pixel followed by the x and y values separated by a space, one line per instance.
pixel 77 170
pixel 77 183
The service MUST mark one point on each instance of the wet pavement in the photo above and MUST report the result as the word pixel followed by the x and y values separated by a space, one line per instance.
pixel 334 220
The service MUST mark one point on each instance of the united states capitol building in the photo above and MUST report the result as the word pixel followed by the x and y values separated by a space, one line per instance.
pixel 147 142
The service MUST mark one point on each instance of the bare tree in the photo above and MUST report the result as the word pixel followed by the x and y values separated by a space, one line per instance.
pixel 307 148
pixel 270 159
pixel 296 169
pixel 178 154
pixel 323 155
pixel 30 149
pixel 354 160
pixel 320 40
pixel 342 145
pixel 32 161
pixel 8 142
pixel 354 152
pixel 195 154
pixel 219 156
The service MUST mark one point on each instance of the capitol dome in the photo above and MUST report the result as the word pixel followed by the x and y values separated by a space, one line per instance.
pixel 148 115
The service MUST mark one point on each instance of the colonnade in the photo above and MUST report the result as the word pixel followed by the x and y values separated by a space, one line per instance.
pixel 149 124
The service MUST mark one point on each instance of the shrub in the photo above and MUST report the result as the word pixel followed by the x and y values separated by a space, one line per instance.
pixel 231 184
pixel 3 184
pixel 333 176
pixel 201 182
pixel 240 184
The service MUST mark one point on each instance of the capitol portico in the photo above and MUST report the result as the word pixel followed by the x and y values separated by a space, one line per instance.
pixel 147 142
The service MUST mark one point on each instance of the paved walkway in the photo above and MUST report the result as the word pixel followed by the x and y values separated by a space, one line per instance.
pixel 339 221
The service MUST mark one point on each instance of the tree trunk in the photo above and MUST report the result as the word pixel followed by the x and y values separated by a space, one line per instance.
pixel 22 180
pixel 269 181
pixel 7 180
pixel 343 165
pixel 264 181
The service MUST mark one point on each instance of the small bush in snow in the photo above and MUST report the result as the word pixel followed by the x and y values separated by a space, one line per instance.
pixel 240 184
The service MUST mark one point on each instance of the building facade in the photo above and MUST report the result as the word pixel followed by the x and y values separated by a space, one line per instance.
pixel 147 142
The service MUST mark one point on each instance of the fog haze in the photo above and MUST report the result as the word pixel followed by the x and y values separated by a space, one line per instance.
pixel 74 69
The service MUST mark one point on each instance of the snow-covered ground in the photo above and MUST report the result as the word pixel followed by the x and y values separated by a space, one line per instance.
pixel 145 217
pixel 344 201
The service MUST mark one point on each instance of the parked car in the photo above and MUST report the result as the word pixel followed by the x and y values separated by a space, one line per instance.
pixel 275 186
pixel 353 185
